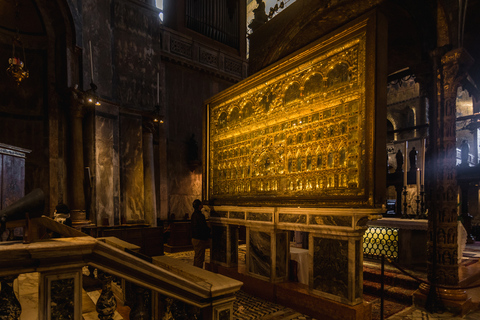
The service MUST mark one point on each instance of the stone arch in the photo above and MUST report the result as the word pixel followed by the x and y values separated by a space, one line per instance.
pixel 410 120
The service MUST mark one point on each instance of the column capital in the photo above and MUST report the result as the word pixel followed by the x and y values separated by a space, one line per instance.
pixel 455 64
pixel 148 125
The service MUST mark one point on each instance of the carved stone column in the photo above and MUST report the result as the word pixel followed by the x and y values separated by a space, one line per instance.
pixel 443 268
pixel 76 165
pixel 10 307
pixel 149 173
pixel 141 306
pixel 106 303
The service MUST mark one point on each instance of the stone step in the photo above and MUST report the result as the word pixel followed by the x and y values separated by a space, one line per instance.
pixel 395 279
pixel 395 293
pixel 397 286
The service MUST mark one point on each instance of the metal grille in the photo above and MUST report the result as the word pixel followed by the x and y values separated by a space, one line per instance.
pixel 380 240
pixel 216 19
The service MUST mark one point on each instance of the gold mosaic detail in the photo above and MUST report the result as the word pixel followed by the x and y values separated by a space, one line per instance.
pixel 301 133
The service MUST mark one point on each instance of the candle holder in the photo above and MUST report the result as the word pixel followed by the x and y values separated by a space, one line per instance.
pixel 422 204
pixel 417 215
pixel 91 95
pixel 157 118
pixel 404 214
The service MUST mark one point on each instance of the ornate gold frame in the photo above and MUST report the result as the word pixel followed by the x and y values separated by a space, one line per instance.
pixel 306 131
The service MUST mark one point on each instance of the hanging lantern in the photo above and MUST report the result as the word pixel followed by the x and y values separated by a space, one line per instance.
pixel 17 69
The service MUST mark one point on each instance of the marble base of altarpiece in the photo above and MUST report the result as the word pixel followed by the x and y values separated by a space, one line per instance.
pixel 335 260
pixel 224 250
pixel 336 267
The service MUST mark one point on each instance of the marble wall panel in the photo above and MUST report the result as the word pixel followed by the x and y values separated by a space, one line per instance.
pixel 106 169
pixel 339 221
pixel 219 243
pixel 330 266
pixel 292 218
pixel 259 253
pixel 131 168
pixel 259 216
pixel 237 215
pixel 12 179
pixel 62 297
pixel 220 214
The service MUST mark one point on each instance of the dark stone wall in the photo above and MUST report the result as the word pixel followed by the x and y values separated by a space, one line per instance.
pixel 303 22
pixel 24 118
pixel 136 55
pixel 127 53
pixel 186 89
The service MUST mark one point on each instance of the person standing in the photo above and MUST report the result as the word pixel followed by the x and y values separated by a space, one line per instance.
pixel 200 234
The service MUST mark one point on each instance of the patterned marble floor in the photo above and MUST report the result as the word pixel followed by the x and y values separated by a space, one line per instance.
pixel 248 307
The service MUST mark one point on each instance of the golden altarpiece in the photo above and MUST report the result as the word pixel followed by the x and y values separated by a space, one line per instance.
pixel 294 147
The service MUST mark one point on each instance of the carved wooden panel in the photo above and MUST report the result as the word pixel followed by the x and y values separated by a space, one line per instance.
pixel 12 174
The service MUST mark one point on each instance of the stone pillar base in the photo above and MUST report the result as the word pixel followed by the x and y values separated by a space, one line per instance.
pixel 455 301
pixel 79 219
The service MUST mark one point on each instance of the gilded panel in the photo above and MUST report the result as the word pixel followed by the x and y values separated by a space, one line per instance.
pixel 295 133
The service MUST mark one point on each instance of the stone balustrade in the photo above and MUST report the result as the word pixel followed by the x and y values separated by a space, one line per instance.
pixel 58 264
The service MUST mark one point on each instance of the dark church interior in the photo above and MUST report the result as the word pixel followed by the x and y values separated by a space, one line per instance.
pixel 333 146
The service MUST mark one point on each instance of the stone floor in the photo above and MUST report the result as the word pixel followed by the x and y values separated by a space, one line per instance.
pixel 249 307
